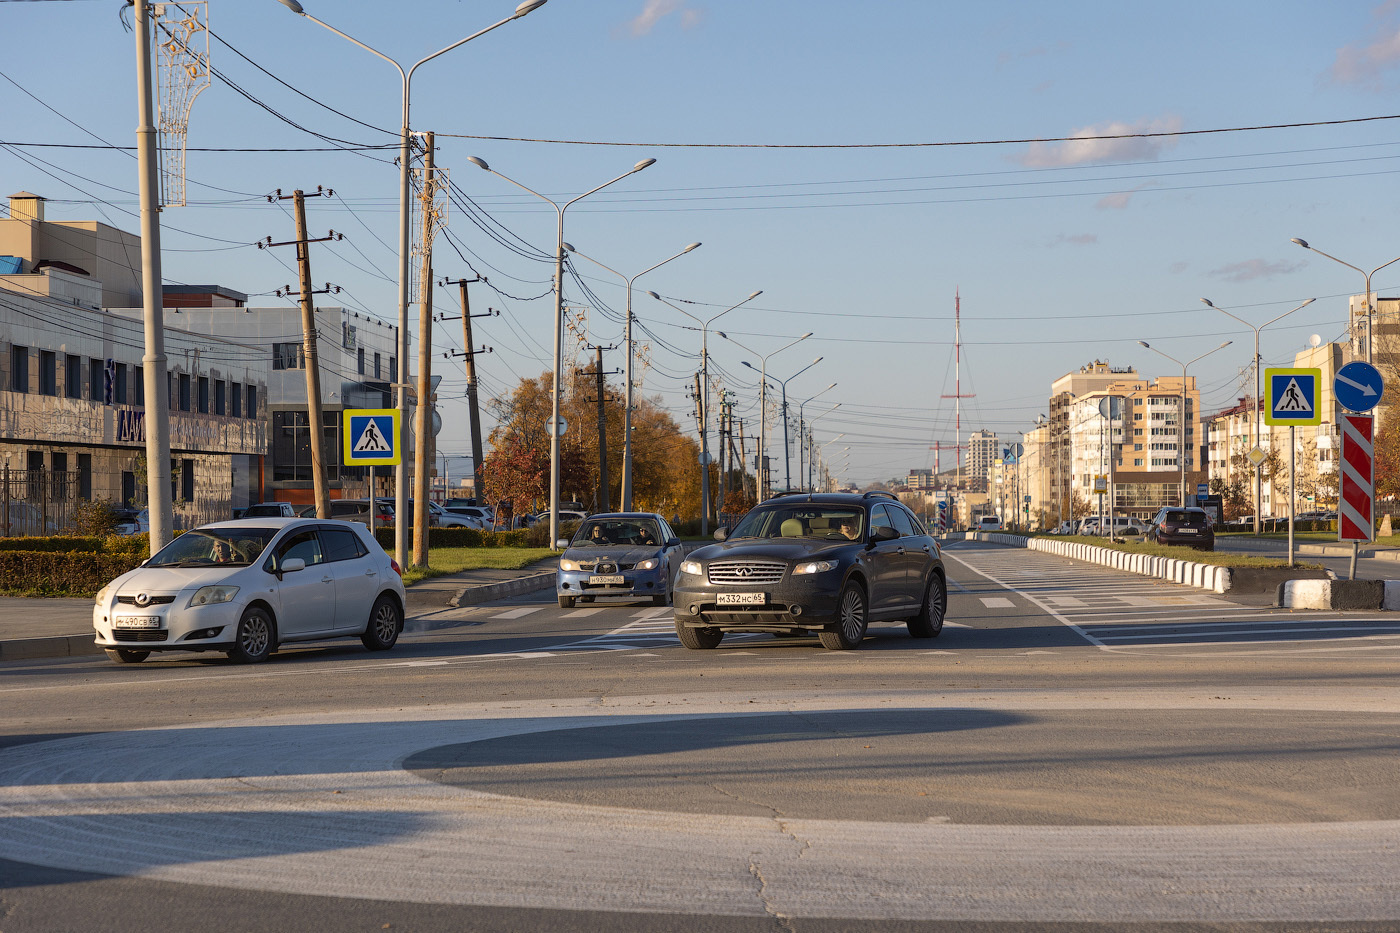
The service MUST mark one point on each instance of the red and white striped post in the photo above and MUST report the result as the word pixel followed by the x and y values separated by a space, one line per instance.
pixel 1357 493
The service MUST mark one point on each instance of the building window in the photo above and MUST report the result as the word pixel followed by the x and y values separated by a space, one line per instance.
pixel 19 368
pixel 393 370
pixel 187 480
pixel 138 386
pixel 48 372
pixel 1137 461
pixel 119 387
pixel 235 397
pixel 219 397
pixel 72 376
pixel 288 356
pixel 183 380
pixel 376 367
pixel 360 355
pixel 203 396
pixel 251 409
pixel 58 481
pixel 85 476
pixel 97 377
pixel 128 488
pixel 291 446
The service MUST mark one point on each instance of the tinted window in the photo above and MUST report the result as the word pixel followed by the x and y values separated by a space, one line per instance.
pixel 304 544
pixel 903 521
pixel 880 518
pixel 341 544
pixel 810 520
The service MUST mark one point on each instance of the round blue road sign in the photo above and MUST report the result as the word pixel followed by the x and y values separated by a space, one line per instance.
pixel 1358 386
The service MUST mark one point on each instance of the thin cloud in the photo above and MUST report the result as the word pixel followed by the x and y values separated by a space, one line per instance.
pixel 1119 200
pixel 656 10
pixel 1363 63
pixel 1084 150
pixel 1075 239
pixel 1254 269
pixel 1177 268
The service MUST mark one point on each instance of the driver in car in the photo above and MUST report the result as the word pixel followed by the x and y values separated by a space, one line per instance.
pixel 596 536
pixel 846 526
pixel 222 552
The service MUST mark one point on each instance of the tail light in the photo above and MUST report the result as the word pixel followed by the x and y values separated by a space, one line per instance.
pixel 395 564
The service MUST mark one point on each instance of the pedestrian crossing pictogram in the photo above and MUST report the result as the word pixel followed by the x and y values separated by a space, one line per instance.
pixel 1293 396
pixel 371 436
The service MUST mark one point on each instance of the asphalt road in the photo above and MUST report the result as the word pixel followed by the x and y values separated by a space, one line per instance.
pixel 1079 749
pixel 1367 568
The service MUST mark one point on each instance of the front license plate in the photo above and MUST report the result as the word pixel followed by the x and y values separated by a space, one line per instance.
pixel 616 579
pixel 136 622
pixel 740 599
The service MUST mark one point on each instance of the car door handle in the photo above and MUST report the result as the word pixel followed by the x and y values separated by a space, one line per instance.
pixel 371 572
pixel 899 550
pixel 328 579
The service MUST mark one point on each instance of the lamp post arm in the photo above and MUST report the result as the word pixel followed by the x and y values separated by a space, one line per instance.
pixel 371 50
pixel 569 204
pixel 449 48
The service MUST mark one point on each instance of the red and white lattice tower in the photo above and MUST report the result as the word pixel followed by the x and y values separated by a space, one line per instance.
pixel 1357 495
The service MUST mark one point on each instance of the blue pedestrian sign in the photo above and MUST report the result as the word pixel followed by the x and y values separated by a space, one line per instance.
pixel 1293 396
pixel 371 436
pixel 1358 386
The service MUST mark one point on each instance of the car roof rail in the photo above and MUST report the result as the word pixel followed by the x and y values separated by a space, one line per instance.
pixel 880 492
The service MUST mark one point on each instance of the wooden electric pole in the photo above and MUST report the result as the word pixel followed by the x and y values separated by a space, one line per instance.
pixel 469 355
pixel 422 418
pixel 604 492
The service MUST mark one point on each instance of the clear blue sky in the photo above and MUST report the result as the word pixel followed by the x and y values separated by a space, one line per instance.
pixel 1062 253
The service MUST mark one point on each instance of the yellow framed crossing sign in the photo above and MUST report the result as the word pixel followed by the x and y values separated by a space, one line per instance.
pixel 1294 396
pixel 371 437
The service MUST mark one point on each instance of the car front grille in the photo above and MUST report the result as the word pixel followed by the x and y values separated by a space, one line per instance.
pixel 154 600
pixel 747 572
pixel 604 566
pixel 143 635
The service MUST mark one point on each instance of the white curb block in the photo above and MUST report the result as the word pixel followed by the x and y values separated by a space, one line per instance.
pixel 1310 594
pixel 1210 577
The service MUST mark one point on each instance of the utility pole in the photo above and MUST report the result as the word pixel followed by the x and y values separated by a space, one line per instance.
pixel 958 395
pixel 422 421
pixel 604 494
pixel 316 431
pixel 469 355
pixel 723 453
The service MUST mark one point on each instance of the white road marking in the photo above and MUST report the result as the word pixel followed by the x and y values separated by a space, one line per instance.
pixel 996 602
pixel 517 613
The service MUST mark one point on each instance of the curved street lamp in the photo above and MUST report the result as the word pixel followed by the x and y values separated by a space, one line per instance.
pixel 763 405
pixel 705 399
pixel 406 77
pixel 1181 419
pixel 556 423
pixel 627 339
pixel 1256 430
pixel 787 451
pixel 1370 312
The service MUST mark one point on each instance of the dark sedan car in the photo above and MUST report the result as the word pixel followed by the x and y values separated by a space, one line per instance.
pixel 825 564
pixel 630 554
pixel 1188 526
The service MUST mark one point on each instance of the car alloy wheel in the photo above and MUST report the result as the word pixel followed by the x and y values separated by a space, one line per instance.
pixel 253 640
pixel 929 622
pixel 385 623
pixel 851 619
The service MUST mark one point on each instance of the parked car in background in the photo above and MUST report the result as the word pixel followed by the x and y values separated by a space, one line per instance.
pixel 270 510
pixel 1189 526
pixel 1120 525
pixel 989 523
pixel 628 554
pixel 472 507
pixel 450 519
pixel 355 510
pixel 474 513
pixel 133 521
pixel 404 511
pixel 244 587
pixel 824 564
pixel 565 515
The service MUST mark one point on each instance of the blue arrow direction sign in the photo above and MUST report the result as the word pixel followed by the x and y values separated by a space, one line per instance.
pixel 1293 396
pixel 1358 386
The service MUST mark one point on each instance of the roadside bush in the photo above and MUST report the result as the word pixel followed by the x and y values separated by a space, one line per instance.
pixel 60 573
pixel 95 517
pixel 53 543
pixel 535 536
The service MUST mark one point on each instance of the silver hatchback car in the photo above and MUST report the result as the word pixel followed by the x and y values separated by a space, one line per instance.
pixel 244 587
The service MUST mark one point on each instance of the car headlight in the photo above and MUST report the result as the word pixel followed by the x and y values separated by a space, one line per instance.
pixel 691 567
pixel 568 564
pixel 651 563
pixel 814 566
pixel 212 595
pixel 102 594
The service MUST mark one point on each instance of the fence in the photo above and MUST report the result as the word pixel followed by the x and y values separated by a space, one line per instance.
pixel 37 502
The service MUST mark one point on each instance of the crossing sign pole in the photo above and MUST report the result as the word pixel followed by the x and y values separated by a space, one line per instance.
pixel 371 438
pixel 1294 396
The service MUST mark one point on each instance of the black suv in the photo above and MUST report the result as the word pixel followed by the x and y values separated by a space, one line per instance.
pixel 801 563
pixel 1188 526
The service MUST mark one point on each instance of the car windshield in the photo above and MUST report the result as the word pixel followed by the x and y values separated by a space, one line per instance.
pixel 807 520
pixel 233 547
pixel 617 531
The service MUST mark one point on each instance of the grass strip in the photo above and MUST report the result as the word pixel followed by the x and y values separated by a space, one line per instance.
pixel 447 560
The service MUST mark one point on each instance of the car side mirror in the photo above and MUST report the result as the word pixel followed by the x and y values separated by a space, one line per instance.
pixel 884 533
pixel 673 542
pixel 562 544
pixel 292 565
pixel 721 532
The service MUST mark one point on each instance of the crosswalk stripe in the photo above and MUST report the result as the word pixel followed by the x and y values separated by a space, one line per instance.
pixel 517 613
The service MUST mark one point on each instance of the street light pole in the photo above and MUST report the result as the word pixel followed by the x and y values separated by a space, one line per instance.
pixel 762 490
pixel 1258 405
pixel 555 424
pixel 787 447
pixel 1370 312
pixel 705 399
pixel 1181 420
pixel 627 339
pixel 803 431
pixel 406 77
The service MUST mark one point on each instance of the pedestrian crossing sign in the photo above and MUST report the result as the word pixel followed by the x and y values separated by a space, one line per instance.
pixel 1293 396
pixel 371 436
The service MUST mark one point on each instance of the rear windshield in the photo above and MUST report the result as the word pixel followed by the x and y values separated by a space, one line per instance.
pixel 1185 518
pixel 264 511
